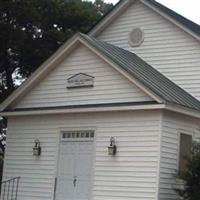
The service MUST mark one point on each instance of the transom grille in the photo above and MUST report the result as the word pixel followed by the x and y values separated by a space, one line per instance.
pixel 78 134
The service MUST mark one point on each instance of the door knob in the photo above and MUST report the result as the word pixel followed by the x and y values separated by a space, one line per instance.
pixel 74 181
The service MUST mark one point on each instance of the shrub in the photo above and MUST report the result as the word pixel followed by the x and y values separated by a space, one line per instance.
pixel 191 176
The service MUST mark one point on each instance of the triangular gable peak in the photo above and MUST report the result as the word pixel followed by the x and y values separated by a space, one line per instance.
pixel 186 25
pixel 154 87
pixel 129 92
pixel 80 75
pixel 164 45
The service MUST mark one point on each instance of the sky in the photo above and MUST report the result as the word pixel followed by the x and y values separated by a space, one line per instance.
pixel 188 8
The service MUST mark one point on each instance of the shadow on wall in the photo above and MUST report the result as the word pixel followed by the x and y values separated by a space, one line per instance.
pixel 1 172
pixel 1 169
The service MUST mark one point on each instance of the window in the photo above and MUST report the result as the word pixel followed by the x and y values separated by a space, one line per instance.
pixel 185 150
pixel 78 134
pixel 136 37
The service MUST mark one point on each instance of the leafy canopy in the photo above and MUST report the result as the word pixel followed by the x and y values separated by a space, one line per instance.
pixel 191 176
pixel 31 30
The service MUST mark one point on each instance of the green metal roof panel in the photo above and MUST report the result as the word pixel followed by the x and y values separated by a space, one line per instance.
pixel 160 85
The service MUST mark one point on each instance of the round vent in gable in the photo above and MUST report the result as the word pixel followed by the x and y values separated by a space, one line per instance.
pixel 136 37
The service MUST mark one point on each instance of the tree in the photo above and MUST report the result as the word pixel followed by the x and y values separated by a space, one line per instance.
pixel 2 143
pixel 32 30
pixel 102 7
pixel 3 126
pixel 191 176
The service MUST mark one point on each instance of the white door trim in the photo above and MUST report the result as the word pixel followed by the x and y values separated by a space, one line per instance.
pixel 59 142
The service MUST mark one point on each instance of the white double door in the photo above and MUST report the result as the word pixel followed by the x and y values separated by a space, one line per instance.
pixel 74 170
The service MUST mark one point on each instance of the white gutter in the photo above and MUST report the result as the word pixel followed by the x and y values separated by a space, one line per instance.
pixel 83 110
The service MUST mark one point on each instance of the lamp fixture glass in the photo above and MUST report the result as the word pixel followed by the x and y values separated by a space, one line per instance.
pixel 112 149
pixel 37 148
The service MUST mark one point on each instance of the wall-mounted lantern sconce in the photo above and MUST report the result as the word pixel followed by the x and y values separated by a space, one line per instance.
pixel 37 148
pixel 112 149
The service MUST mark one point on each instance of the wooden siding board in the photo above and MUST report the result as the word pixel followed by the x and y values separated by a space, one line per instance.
pixel 172 125
pixel 132 174
pixel 109 86
pixel 166 47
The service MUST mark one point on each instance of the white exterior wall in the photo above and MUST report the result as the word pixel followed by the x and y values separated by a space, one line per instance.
pixel 172 126
pixel 109 85
pixel 166 47
pixel 132 174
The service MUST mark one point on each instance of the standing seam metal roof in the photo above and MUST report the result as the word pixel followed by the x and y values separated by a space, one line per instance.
pixel 160 85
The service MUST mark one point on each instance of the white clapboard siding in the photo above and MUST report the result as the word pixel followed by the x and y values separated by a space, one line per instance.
pixel 109 85
pixel 166 47
pixel 131 174
pixel 173 125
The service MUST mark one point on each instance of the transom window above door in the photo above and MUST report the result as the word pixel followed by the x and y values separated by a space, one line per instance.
pixel 78 134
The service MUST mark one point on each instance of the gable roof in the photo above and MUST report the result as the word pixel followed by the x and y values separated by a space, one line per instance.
pixel 179 18
pixel 123 4
pixel 148 77
pixel 160 85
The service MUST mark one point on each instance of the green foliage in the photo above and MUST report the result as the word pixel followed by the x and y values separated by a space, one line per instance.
pixel 102 7
pixel 31 30
pixel 191 176
pixel 3 125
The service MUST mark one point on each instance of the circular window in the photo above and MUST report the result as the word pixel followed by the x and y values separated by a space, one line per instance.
pixel 136 37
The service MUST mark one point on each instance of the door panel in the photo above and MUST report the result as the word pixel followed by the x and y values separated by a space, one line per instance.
pixel 64 190
pixel 83 170
pixel 74 171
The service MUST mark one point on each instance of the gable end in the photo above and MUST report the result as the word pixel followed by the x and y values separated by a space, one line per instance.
pixel 185 24
pixel 83 78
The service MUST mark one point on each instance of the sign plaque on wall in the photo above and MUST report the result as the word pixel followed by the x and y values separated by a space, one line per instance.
pixel 80 80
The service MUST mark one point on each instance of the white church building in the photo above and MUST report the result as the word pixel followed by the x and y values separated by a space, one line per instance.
pixel 111 114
